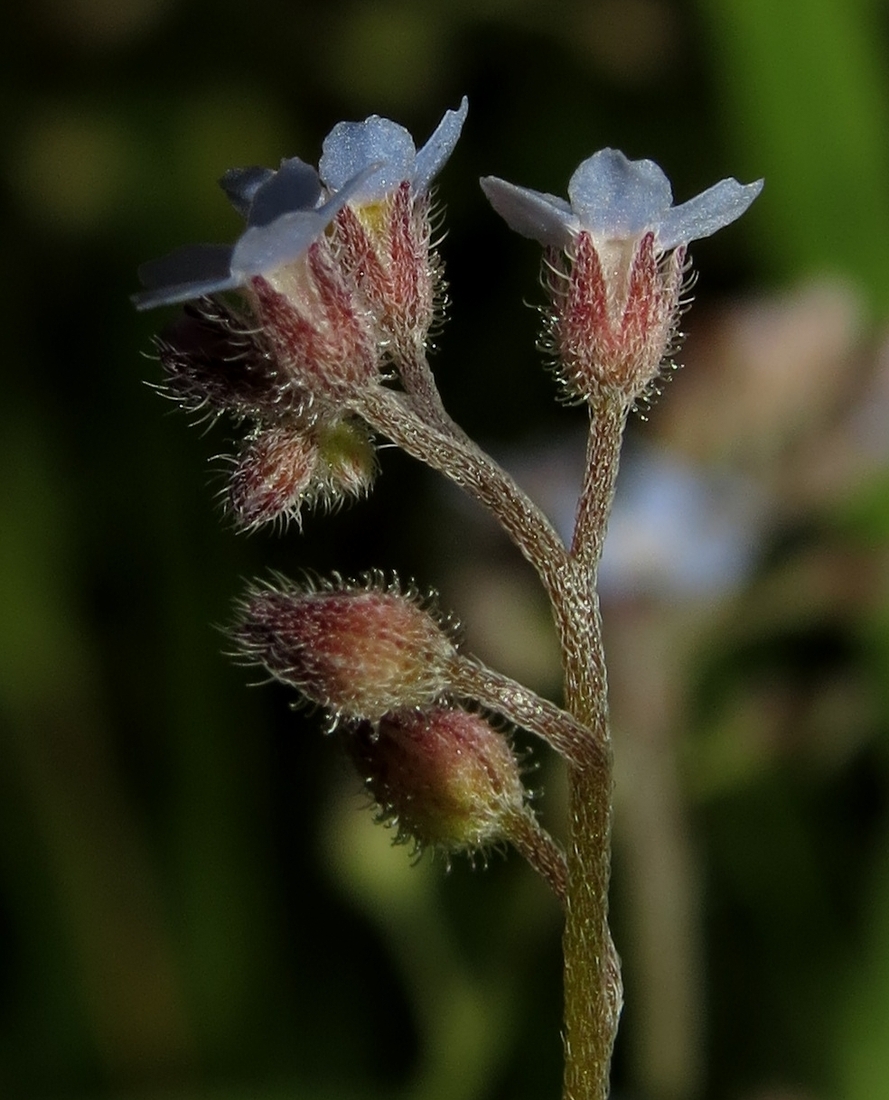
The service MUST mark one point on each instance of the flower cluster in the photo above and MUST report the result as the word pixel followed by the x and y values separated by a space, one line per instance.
pixel 311 330
pixel 338 280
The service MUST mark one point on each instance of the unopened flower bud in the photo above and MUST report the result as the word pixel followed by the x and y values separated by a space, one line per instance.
pixel 444 776
pixel 360 652
pixel 214 361
pixel 273 474
pixel 347 461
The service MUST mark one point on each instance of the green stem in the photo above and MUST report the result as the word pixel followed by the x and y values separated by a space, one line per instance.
pixel 608 419
pixel 592 985
pixel 593 994
pixel 540 850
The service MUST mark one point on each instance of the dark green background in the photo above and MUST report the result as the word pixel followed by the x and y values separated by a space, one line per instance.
pixel 192 906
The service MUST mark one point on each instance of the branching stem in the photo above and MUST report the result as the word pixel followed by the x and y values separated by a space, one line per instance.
pixel 523 707
pixel 474 471
pixel 419 382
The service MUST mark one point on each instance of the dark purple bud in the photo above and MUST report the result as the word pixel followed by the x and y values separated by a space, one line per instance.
pixel 213 361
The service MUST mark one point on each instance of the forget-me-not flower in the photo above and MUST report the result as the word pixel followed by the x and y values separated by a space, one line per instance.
pixel 285 212
pixel 616 302
pixel 384 232
pixel 352 147
pixel 372 174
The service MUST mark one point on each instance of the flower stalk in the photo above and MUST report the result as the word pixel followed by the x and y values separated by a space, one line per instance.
pixel 573 739
pixel 475 472
pixel 592 984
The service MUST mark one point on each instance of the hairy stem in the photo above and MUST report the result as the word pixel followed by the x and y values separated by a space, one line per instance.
pixel 540 850
pixel 418 381
pixel 607 421
pixel 592 985
pixel 523 707
pixel 468 466
pixel 593 992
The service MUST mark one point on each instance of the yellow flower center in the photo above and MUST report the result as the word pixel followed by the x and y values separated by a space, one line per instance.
pixel 374 216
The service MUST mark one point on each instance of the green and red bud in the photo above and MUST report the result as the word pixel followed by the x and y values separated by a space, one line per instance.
pixel 290 464
pixel 274 472
pixel 347 460
pixel 359 652
pixel 444 776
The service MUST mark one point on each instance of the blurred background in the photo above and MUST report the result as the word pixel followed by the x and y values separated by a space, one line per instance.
pixel 194 902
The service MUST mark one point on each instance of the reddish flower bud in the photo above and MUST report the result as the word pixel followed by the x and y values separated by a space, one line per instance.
pixel 215 361
pixel 320 332
pixel 614 317
pixel 273 474
pixel 444 776
pixel 386 246
pixel 360 652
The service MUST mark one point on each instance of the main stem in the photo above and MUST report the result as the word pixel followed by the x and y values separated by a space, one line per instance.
pixel 593 993
pixel 592 985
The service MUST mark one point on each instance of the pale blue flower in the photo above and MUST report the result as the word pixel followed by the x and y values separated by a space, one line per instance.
pixel 351 147
pixel 617 199
pixel 285 213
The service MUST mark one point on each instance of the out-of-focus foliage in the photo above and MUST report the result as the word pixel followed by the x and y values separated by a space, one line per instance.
pixel 192 904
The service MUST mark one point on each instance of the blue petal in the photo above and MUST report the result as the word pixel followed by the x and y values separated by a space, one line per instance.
pixel 190 272
pixel 544 218
pixel 263 248
pixel 294 187
pixel 432 157
pixel 714 208
pixel 351 147
pixel 241 184
pixel 617 198
pixel 200 269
